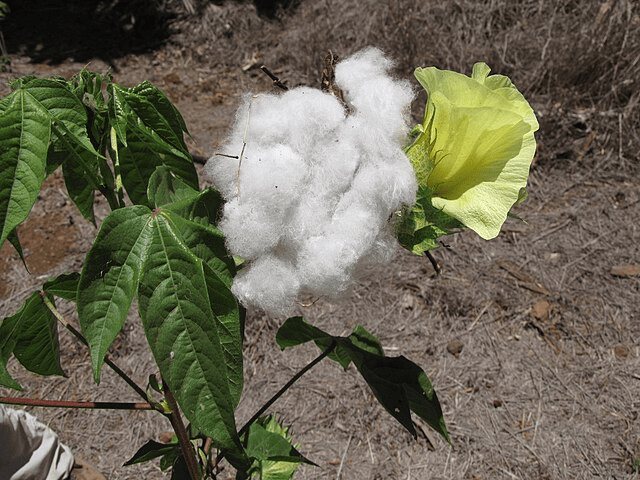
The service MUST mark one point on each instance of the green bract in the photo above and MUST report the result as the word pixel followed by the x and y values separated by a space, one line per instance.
pixel 473 151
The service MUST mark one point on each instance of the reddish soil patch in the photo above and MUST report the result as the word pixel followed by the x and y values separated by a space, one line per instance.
pixel 49 236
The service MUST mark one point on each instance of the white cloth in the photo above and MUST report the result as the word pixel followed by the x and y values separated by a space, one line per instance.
pixel 29 450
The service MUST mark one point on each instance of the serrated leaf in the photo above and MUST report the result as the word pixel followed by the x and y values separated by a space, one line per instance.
pixel 64 286
pixel 110 277
pixel 270 445
pixel 31 334
pixel 185 309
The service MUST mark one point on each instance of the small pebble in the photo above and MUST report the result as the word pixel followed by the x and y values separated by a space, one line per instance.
pixel 454 347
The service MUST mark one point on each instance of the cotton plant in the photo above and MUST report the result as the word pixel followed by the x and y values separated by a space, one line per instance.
pixel 313 189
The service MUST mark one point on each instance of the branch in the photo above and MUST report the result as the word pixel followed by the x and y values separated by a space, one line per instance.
pixel 276 80
pixel 280 392
pixel 81 338
pixel 288 385
pixel 69 404
pixel 181 432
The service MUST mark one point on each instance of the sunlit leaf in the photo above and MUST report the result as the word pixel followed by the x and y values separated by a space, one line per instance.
pixel 270 445
pixel 148 136
pixel 186 310
pixel 25 131
pixel 110 277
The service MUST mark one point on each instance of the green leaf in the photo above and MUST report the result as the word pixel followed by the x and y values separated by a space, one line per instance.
pixel 64 286
pixel 270 445
pixel 163 105
pixel 7 343
pixel 78 181
pixel 15 241
pixel 165 187
pixel 419 227
pixel 146 139
pixel 42 118
pixel 110 277
pixel 187 312
pixel 31 334
pixel 25 131
pixel 295 331
pixel 151 450
pixel 401 387
pixel 194 216
pixel 364 340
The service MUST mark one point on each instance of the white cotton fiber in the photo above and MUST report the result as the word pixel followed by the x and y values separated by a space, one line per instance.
pixel 310 189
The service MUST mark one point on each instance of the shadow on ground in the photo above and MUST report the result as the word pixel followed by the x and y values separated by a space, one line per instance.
pixel 54 30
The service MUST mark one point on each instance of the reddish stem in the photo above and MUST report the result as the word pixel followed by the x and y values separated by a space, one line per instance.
pixel 69 404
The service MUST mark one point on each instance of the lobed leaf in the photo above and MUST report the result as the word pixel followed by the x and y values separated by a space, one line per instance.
pixel 420 227
pixel 271 448
pixel 400 385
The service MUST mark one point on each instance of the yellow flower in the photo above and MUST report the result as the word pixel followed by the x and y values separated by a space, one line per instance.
pixel 475 147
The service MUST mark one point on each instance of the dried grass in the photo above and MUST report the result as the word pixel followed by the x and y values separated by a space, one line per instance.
pixel 536 392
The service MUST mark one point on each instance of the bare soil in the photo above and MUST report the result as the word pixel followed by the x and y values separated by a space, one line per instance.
pixel 532 340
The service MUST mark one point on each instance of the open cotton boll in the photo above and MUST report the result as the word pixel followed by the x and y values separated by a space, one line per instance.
pixel 380 102
pixel 272 175
pixel 308 205
pixel 270 284
pixel 265 226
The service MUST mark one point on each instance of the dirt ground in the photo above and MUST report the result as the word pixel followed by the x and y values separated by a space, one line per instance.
pixel 532 340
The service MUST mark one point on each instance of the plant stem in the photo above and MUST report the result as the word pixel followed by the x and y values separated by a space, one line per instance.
pixel 280 392
pixel 81 338
pixel 288 385
pixel 69 404
pixel 181 432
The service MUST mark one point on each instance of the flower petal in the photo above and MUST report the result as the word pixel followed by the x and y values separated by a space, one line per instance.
pixel 475 147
